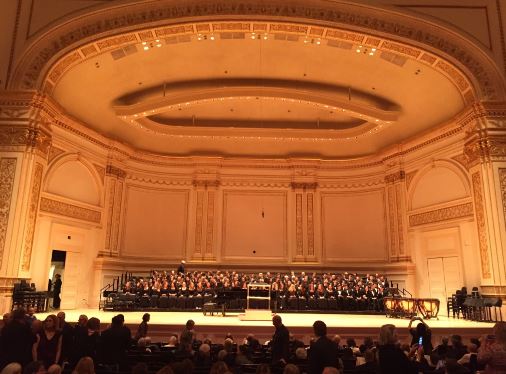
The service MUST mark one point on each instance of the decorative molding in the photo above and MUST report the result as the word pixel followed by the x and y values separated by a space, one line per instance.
pixel 443 214
pixel 393 222
pixel 395 177
pixel 210 222
pixel 7 176
pixel 110 212
pixel 68 210
pixel 409 178
pixel 304 185
pixel 53 153
pixel 101 171
pixel 299 249
pixel 34 138
pixel 462 159
pixel 502 182
pixel 481 223
pixel 206 183
pixel 113 171
pixel 310 225
pixel 198 223
pixel 32 216
pixel 118 199
pixel 400 214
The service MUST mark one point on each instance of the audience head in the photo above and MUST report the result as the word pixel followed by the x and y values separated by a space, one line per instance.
pixel 263 369
pixel 36 326
pixel 61 316
pixel 500 332
pixel 387 334
pixel 276 320
pixel 12 368
pixel 320 328
pixel 456 340
pixel 51 323
pixel 7 317
pixel 167 369
pixel 228 345
pixel 369 355
pixel 140 368
pixel 205 349
pixel 172 341
pixel 291 369
pixel 350 342
pixel 83 320
pixel 35 367
pixel 30 311
pixel 190 324
pixel 146 317
pixel 85 366
pixel 337 339
pixel 330 370
pixel 18 315
pixel 219 367
pixel 93 324
pixel 301 353
pixel 117 321
pixel 54 369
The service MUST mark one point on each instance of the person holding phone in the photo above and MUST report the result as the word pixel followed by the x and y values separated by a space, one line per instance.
pixel 421 335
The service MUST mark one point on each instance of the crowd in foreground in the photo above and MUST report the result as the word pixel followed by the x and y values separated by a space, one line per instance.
pixel 29 346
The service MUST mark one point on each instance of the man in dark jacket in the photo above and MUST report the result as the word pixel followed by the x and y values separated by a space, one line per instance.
pixel 16 340
pixel 323 351
pixel 114 343
pixel 280 341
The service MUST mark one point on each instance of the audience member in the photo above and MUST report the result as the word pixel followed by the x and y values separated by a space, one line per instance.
pixel 391 358
pixel 67 332
pixel 492 351
pixel 142 330
pixel 114 342
pixel 16 340
pixel 85 366
pixel 280 341
pixel 35 367
pixel 291 369
pixel 54 369
pixel 48 345
pixel 421 332
pixel 12 368
pixel 323 351
pixel 218 367
pixel 187 336
pixel 86 341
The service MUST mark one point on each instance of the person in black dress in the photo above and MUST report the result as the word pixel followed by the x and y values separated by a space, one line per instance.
pixel 48 346
pixel 56 291
pixel 180 268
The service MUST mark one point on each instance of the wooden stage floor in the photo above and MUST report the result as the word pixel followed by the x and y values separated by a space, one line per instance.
pixel 164 324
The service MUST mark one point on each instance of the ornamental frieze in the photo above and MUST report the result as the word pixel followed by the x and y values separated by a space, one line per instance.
pixel 114 171
pixel 7 174
pixel 68 210
pixel 304 185
pixel 395 177
pixel 25 136
pixel 443 214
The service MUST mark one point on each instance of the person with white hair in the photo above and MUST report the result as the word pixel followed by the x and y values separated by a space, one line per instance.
pixel 181 267
pixel 12 368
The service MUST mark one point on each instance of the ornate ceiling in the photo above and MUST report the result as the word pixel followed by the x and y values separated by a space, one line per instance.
pixel 257 86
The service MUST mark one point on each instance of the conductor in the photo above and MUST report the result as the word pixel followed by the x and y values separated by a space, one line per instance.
pixel 180 268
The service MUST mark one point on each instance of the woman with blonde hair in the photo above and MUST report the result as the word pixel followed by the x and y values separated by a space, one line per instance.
pixel 391 358
pixel 492 350
pixel 85 366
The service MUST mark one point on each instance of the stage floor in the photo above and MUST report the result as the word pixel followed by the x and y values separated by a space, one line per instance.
pixel 163 324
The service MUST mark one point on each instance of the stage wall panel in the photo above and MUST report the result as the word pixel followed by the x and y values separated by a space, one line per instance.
pixel 155 223
pixel 353 226
pixel 254 225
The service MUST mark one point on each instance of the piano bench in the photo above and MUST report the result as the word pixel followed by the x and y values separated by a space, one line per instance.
pixel 212 308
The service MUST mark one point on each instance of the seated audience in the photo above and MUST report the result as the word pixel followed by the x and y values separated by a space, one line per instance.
pixel 323 351
pixel 391 358
pixel 492 351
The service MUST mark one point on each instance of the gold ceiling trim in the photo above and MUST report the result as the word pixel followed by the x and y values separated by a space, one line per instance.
pixel 306 32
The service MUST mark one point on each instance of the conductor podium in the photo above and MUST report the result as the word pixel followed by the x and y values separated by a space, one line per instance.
pixel 258 303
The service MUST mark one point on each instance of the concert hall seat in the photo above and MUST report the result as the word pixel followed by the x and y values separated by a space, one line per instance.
pixel 332 304
pixel 190 303
pixel 198 302
pixel 154 301
pixel 312 304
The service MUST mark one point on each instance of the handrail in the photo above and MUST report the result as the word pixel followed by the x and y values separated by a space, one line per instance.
pixel 405 291
pixel 105 288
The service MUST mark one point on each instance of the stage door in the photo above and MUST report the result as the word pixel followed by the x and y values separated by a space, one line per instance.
pixel 70 281
pixel 444 278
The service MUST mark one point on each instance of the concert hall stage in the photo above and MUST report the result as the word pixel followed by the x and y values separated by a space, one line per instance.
pixel 215 327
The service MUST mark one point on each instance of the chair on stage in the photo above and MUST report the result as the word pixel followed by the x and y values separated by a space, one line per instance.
pixel 145 301
pixel 312 304
pixel 181 302
pixel 172 302
pixel 332 304
pixel 198 301
pixel 293 303
pixel 322 303
pixel 163 302
pixel 190 303
pixel 153 303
